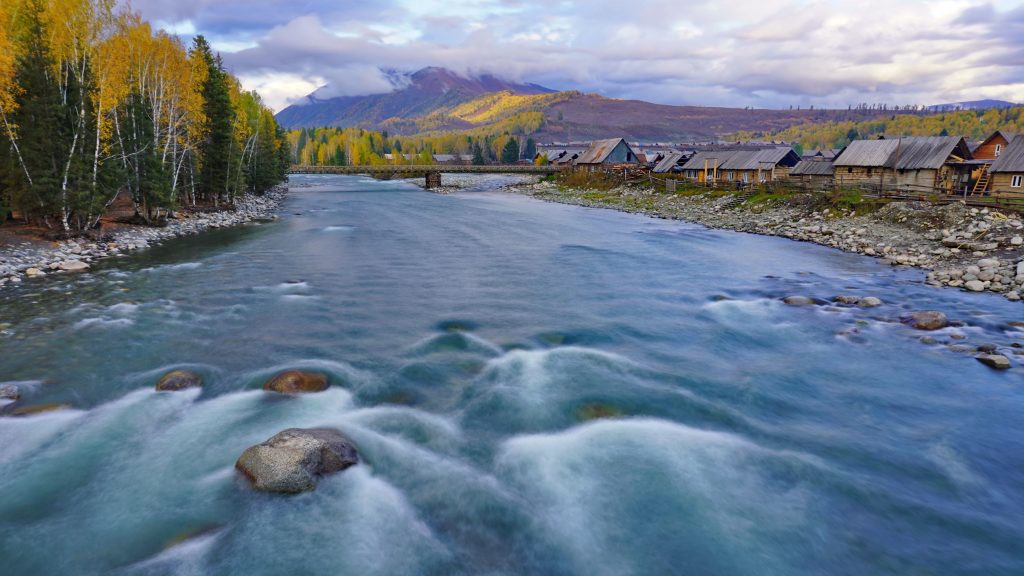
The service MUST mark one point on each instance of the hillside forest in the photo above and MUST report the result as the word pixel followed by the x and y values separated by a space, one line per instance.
pixel 94 102
pixel 972 124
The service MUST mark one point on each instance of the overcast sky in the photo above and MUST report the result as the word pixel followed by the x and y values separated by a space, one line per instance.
pixel 763 53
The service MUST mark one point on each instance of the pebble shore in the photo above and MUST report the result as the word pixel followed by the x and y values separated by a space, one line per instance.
pixel 34 259
pixel 976 250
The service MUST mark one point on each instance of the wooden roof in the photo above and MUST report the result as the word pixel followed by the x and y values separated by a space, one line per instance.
pixel 913 153
pixel 813 168
pixel 1012 159
pixel 600 150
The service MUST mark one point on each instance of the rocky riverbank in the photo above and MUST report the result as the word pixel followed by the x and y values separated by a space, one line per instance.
pixel 977 250
pixel 29 259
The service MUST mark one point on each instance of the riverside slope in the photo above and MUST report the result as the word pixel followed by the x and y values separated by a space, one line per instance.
pixel 977 250
pixel 35 259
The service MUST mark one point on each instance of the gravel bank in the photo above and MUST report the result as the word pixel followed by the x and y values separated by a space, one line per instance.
pixel 977 250
pixel 33 259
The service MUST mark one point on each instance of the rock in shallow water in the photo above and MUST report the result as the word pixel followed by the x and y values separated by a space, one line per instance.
pixel 997 361
pixel 179 380
pixel 297 382
pixel 9 392
pixel 798 301
pixel 73 266
pixel 925 320
pixel 293 460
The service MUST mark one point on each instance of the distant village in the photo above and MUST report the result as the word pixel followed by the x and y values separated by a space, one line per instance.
pixel 922 164
pixel 919 165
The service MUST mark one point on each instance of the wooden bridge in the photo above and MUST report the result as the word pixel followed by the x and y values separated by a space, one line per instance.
pixel 432 172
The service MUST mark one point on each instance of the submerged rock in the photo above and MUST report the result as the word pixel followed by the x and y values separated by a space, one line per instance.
pixel 179 380
pixel 597 412
pixel 293 460
pixel 297 382
pixel 798 301
pixel 997 361
pixel 847 300
pixel 925 320
pixel 870 302
pixel 33 409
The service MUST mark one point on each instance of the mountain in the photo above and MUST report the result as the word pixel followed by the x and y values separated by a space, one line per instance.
pixel 436 100
pixel 972 105
pixel 425 91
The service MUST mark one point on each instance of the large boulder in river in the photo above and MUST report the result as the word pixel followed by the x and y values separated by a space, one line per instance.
pixel 297 382
pixel 925 320
pixel 179 380
pixel 294 460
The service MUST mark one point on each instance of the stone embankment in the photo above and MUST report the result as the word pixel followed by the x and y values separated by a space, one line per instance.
pixel 34 259
pixel 977 250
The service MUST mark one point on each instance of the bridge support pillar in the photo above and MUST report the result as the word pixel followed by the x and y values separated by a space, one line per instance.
pixel 433 180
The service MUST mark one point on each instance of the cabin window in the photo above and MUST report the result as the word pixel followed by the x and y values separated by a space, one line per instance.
pixel 849 170
pixel 999 148
pixel 1015 181
pixel 869 171
pixel 729 176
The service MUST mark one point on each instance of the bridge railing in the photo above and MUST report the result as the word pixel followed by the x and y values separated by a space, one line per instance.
pixel 424 168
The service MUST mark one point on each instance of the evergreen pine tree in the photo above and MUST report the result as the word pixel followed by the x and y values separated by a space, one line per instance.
pixel 215 147
pixel 478 155
pixel 530 150
pixel 510 153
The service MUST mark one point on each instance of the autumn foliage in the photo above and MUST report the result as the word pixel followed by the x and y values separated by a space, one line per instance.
pixel 94 104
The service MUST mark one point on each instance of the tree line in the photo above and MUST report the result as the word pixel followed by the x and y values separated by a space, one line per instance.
pixel 360 147
pixel 95 104
pixel 972 124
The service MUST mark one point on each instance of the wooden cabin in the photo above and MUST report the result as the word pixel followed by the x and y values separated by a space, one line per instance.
pixel 817 174
pixel 1008 170
pixel 993 146
pixel 984 155
pixel 671 162
pixel 607 153
pixel 917 164
pixel 747 166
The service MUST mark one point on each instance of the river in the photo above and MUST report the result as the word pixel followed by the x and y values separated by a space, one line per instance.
pixel 471 339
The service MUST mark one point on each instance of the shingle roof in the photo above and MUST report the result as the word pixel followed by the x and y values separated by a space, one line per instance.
pixel 813 168
pixel 1012 159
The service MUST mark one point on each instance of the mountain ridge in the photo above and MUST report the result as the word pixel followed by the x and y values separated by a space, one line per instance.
pixel 434 100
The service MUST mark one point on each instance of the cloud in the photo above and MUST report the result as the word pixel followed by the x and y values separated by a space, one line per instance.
pixel 732 52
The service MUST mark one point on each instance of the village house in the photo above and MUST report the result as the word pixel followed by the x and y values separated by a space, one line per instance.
pixel 744 166
pixel 672 162
pixel 984 154
pixel 1008 170
pixel 605 153
pixel 559 156
pixel 917 164
pixel 816 174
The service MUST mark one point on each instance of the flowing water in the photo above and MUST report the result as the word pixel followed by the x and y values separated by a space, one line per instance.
pixel 471 341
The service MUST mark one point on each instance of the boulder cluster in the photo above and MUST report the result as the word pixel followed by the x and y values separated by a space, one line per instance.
pixel 293 460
